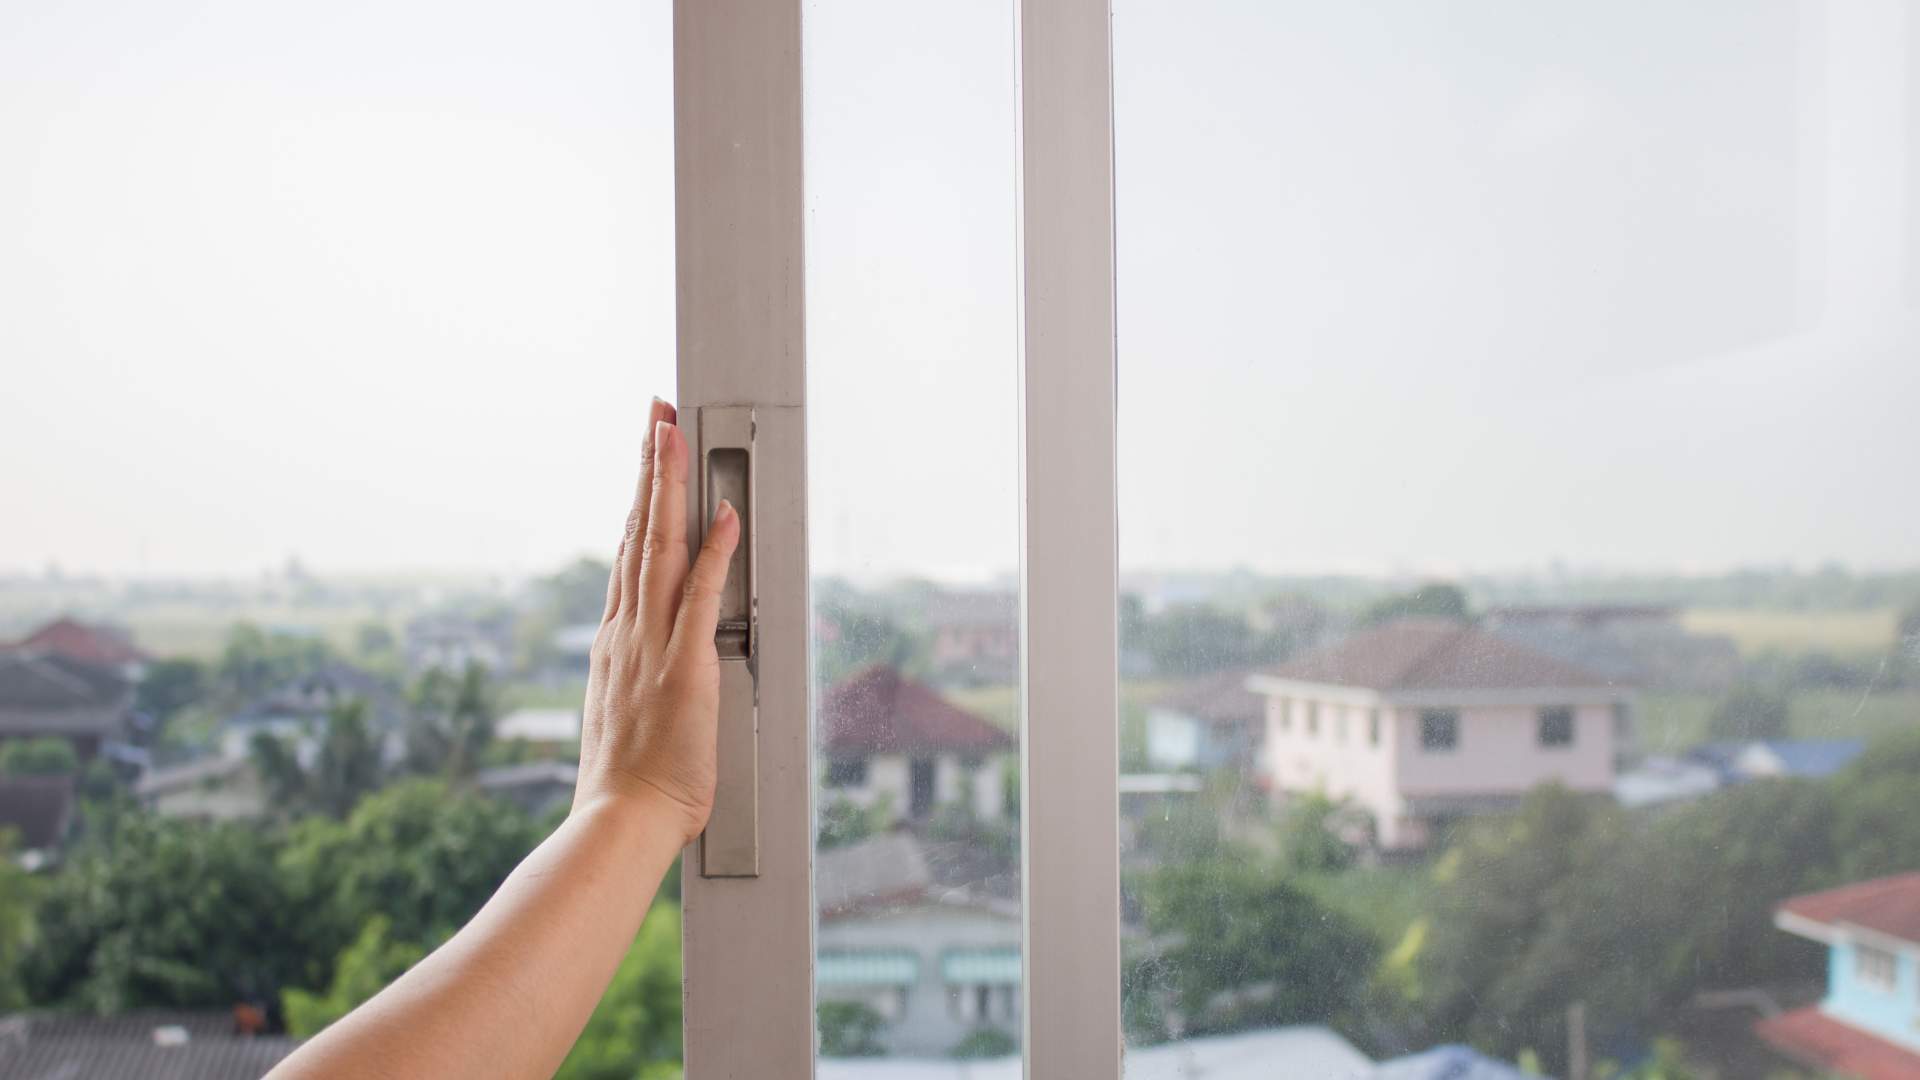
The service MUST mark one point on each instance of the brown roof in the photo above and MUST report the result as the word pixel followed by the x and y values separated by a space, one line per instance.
pixel 1813 1038
pixel 107 645
pixel 880 711
pixel 1434 654
pixel 1888 905
pixel 37 808
pixel 1220 698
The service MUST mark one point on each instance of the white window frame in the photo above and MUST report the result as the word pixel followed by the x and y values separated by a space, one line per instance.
pixel 748 942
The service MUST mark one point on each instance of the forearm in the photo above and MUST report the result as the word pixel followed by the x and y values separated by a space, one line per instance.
pixel 508 995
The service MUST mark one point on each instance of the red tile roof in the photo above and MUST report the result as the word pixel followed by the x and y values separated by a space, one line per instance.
pixel 1888 905
pixel 880 711
pixel 1216 699
pixel 1816 1039
pixel 76 640
pixel 1435 654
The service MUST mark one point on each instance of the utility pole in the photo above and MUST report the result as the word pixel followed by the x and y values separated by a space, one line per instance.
pixel 1577 1041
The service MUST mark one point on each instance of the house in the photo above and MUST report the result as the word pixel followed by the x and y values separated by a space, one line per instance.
pixel 209 789
pixel 1865 1026
pixel 452 641
pixel 97 644
pixel 1421 721
pixel 975 638
pixel 936 963
pixel 538 787
pixel 298 709
pixel 1805 759
pixel 38 810
pixel 547 730
pixel 140 1045
pixel 884 736
pixel 46 694
pixel 1210 723
pixel 1297 1052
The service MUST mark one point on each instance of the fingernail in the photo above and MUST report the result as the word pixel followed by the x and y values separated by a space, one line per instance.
pixel 722 512
pixel 662 433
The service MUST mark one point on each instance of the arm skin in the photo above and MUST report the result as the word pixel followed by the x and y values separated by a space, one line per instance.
pixel 508 995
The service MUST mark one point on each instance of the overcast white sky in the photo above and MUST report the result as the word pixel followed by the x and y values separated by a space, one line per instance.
pixel 1402 286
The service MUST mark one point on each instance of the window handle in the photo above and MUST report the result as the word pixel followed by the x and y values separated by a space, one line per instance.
pixel 731 845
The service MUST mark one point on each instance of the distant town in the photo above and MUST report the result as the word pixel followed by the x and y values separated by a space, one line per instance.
pixel 1571 824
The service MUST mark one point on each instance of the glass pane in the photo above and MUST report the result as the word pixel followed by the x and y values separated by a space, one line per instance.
pixel 1518 569
pixel 325 331
pixel 912 368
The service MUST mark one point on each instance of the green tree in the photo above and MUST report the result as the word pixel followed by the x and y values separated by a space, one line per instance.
pixel 1247 948
pixel 1434 600
pixel 984 1042
pixel 844 822
pixel 347 766
pixel 1193 639
pixel 450 722
pixel 167 686
pixel 421 853
pixel 157 912
pixel 636 1026
pixel 850 1029
pixel 1750 713
pixel 46 756
pixel 17 903
pixel 1310 839
pixel 253 661
pixel 363 969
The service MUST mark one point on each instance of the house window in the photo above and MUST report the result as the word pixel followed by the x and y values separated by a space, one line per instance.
pixel 1373 727
pixel 1439 730
pixel 1876 968
pixel 1313 719
pixel 1340 727
pixel 847 772
pixel 1283 714
pixel 1556 727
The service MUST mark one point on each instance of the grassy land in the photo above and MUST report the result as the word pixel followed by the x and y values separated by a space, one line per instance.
pixel 195 631
pixel 1673 722
pixel 1843 633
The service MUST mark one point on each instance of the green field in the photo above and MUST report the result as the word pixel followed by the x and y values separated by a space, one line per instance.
pixel 1670 722
pixel 1842 633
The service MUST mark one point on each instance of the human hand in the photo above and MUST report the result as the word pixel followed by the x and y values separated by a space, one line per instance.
pixel 647 731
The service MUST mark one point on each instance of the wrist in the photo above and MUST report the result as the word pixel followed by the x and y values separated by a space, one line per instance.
pixel 644 817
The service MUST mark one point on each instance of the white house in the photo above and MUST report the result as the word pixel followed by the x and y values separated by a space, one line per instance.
pixel 884 736
pixel 936 964
pixel 1419 721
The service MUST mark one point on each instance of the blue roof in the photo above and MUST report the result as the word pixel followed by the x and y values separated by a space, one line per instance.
pixel 1450 1062
pixel 1815 757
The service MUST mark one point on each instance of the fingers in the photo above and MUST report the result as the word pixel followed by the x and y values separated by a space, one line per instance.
pixel 700 604
pixel 663 558
pixel 624 588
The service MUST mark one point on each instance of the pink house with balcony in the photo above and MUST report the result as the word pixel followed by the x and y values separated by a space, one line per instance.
pixel 1419 722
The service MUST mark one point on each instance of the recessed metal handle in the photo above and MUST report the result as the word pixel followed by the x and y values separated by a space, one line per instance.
pixel 731 845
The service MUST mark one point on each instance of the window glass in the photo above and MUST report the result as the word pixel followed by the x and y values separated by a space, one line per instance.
pixel 913 409
pixel 329 335
pixel 1535 382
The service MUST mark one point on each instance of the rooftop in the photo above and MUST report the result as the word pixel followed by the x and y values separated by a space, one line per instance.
pixel 1434 654
pixel 134 1046
pixel 1888 905
pixel 94 644
pixel 1216 699
pixel 881 711
pixel 1815 1039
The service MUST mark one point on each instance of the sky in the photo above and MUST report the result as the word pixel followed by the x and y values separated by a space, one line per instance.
pixel 1401 287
